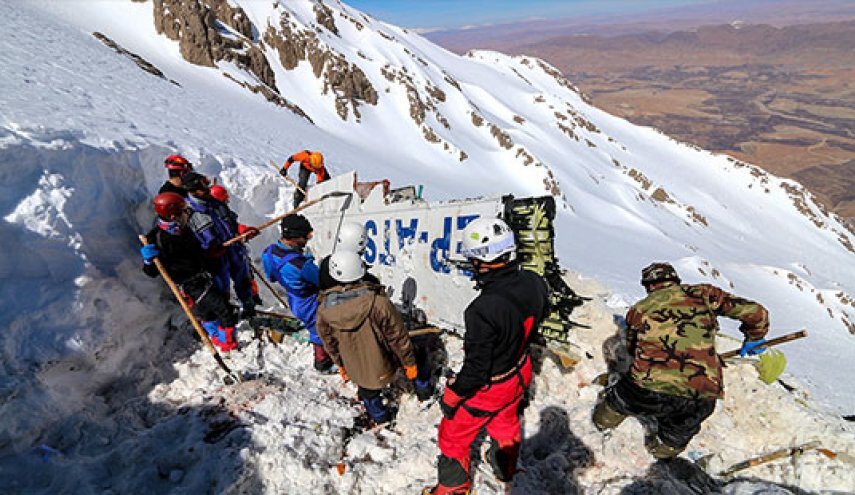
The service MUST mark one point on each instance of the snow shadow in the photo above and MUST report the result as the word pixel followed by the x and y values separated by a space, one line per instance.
pixel 674 476
pixel 90 338
pixel 553 456
pixel 120 441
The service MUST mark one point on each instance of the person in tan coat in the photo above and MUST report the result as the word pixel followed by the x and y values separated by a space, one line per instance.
pixel 363 333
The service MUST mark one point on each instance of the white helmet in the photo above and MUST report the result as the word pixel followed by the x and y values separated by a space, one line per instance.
pixel 351 237
pixel 346 266
pixel 487 239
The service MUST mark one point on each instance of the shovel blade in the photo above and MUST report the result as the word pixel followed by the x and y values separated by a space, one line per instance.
pixel 771 365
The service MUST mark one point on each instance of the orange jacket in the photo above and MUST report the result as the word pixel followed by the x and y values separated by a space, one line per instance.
pixel 303 157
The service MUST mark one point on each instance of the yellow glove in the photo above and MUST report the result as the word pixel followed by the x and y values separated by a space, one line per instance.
pixel 343 373
pixel 412 371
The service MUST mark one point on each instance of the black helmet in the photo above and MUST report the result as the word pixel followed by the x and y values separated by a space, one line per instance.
pixel 295 226
pixel 659 272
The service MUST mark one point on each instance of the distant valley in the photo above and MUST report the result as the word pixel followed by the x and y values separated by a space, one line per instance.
pixel 780 97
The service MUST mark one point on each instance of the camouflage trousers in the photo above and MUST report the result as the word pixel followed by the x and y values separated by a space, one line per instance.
pixel 678 418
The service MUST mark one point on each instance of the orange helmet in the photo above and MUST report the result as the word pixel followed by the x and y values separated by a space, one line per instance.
pixel 316 160
pixel 220 193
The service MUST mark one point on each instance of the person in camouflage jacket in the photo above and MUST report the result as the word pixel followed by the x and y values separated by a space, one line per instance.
pixel 676 374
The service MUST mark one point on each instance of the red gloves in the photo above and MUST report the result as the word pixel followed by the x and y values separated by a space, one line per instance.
pixel 249 230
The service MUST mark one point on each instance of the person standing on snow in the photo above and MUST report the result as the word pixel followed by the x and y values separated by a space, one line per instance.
pixel 221 194
pixel 214 224
pixel 363 333
pixel 310 162
pixel 676 375
pixel 177 166
pixel 353 238
pixel 287 262
pixel 487 392
pixel 183 258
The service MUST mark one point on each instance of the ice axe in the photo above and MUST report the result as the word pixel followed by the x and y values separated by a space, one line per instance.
pixel 771 363
pixel 231 376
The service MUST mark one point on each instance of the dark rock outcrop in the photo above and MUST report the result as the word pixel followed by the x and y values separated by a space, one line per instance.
pixel 346 80
pixel 141 62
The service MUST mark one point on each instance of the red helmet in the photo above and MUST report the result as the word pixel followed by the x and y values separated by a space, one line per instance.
pixel 220 193
pixel 169 205
pixel 177 162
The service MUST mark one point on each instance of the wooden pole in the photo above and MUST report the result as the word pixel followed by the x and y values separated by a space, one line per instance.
pixel 196 325
pixel 769 343
pixel 268 285
pixel 276 220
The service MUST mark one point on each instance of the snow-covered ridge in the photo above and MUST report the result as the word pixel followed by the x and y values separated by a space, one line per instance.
pixel 87 353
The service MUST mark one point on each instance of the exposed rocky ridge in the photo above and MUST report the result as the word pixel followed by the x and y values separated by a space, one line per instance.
pixel 211 31
pixel 345 80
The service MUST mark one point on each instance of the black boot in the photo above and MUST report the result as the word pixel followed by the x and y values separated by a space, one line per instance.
pixel 503 460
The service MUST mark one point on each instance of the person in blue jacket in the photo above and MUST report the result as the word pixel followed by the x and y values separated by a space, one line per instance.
pixel 287 263
pixel 214 223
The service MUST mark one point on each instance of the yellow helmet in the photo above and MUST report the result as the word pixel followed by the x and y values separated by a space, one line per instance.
pixel 316 160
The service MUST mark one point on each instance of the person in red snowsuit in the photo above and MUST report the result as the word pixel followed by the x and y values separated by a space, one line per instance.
pixel 310 162
pixel 489 389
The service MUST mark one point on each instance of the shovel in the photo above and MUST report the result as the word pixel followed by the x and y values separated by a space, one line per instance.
pixel 231 377
pixel 772 362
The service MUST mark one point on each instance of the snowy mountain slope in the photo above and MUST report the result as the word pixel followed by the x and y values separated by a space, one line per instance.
pixel 87 353
pixel 630 194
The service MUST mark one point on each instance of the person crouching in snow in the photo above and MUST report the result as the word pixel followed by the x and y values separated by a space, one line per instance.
pixel 174 243
pixel 288 263
pixel 487 392
pixel 363 333
pixel 676 376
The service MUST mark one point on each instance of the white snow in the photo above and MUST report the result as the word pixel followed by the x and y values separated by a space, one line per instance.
pixel 101 393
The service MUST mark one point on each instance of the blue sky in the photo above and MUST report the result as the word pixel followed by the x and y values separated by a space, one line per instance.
pixel 458 13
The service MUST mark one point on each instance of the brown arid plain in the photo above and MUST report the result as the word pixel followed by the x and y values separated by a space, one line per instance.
pixel 781 97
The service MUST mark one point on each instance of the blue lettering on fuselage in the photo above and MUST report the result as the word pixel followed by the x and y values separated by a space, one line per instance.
pixel 370 244
pixel 378 247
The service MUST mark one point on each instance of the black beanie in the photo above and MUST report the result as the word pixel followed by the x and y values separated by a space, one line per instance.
pixel 294 226
pixel 193 181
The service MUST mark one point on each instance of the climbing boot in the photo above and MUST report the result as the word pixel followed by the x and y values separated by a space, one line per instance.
pixel 660 449
pixel 605 418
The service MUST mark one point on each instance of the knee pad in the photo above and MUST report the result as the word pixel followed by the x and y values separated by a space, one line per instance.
pixel 452 475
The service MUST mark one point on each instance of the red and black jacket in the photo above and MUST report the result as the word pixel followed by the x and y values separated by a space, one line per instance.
pixel 500 324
